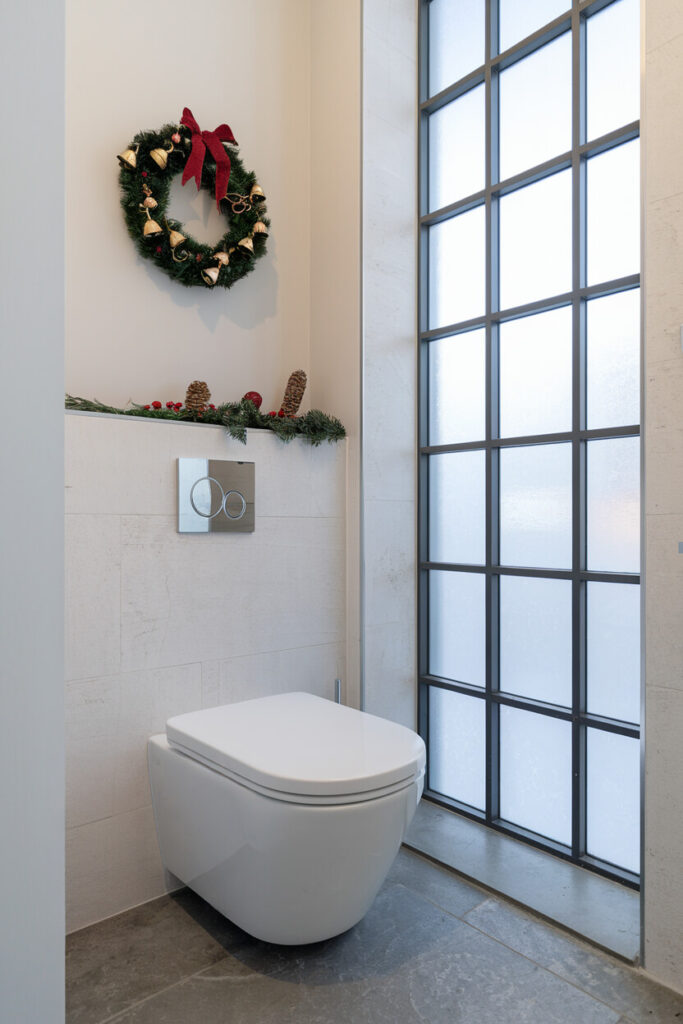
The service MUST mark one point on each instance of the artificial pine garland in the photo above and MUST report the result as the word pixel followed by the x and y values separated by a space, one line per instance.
pixel 314 426
pixel 148 166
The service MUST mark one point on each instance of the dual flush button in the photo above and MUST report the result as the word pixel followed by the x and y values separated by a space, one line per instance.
pixel 215 496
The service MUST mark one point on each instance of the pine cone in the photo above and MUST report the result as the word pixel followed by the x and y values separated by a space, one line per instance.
pixel 294 392
pixel 197 396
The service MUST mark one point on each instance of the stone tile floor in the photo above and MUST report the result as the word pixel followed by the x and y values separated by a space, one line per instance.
pixel 433 949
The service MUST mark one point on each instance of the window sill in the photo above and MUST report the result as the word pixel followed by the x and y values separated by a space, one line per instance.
pixel 586 904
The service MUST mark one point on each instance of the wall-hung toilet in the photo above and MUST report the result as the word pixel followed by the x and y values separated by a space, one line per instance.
pixel 285 813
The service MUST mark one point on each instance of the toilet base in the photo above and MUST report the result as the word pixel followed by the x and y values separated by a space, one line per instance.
pixel 286 873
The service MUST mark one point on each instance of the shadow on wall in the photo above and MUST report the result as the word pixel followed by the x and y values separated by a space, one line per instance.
pixel 248 303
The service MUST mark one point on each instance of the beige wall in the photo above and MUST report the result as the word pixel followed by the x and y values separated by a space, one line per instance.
pixel 663 503
pixel 131 331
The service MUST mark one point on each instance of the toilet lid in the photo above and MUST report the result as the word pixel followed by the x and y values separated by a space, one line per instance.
pixel 301 744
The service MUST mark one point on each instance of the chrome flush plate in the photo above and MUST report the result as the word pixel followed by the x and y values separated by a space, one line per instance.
pixel 215 496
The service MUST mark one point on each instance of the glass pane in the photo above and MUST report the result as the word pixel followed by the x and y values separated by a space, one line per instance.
pixel 536 773
pixel 519 20
pixel 613 360
pixel 457 149
pixel 457 507
pixel 457 746
pixel 536 374
pixel 613 650
pixel 536 638
pixel 613 515
pixel 457 399
pixel 613 51
pixel 457 269
pixel 535 241
pixel 613 799
pixel 456 40
pixel 535 506
pixel 614 213
pixel 536 107
pixel 457 626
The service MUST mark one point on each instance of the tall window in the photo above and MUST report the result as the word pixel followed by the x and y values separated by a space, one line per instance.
pixel 530 397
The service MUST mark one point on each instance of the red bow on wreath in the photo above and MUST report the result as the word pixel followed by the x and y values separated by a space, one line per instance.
pixel 214 140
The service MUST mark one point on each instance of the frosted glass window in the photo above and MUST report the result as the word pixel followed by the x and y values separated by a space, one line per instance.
pixel 457 744
pixel 456 40
pixel 613 57
pixel 535 241
pixel 613 650
pixel 457 382
pixel 535 506
pixel 536 638
pixel 457 149
pixel 536 374
pixel 613 515
pixel 536 107
pixel 536 773
pixel 457 269
pixel 457 626
pixel 519 20
pixel 614 213
pixel 613 360
pixel 613 799
pixel 457 507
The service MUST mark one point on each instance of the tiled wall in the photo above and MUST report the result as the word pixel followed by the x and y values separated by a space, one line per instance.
pixel 663 165
pixel 389 355
pixel 159 623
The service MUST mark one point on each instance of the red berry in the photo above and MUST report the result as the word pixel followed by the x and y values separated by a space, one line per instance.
pixel 169 405
pixel 146 407
pixel 199 257
pixel 272 414
pixel 175 138
pixel 178 405
pixel 211 406
pixel 158 249
pixel 144 174
pixel 156 405
pixel 281 412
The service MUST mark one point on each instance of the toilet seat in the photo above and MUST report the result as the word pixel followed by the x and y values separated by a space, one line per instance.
pixel 299 748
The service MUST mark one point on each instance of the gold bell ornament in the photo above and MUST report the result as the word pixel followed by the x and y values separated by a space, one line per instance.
pixel 160 156
pixel 260 229
pixel 256 194
pixel 175 239
pixel 222 257
pixel 210 275
pixel 246 246
pixel 128 158
pixel 151 227
pixel 149 203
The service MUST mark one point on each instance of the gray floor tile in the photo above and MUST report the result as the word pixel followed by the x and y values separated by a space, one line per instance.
pixel 435 883
pixel 608 913
pixel 627 990
pixel 118 962
pixel 407 962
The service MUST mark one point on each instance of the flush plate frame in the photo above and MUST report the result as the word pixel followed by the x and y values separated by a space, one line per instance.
pixel 215 496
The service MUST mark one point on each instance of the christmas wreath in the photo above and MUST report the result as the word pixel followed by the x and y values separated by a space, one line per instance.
pixel 148 166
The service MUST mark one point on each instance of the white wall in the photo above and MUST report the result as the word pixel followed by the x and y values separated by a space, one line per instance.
pixel 31 467
pixel 389 355
pixel 663 163
pixel 159 623
pixel 335 254
pixel 132 333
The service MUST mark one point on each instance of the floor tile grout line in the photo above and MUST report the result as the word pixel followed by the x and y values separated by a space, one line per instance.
pixel 524 906
pixel 167 988
pixel 500 942
pixel 548 970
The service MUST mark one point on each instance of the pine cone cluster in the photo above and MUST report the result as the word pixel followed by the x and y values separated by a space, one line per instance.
pixel 294 392
pixel 197 396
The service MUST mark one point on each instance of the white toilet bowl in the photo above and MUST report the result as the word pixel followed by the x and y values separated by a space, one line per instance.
pixel 285 813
